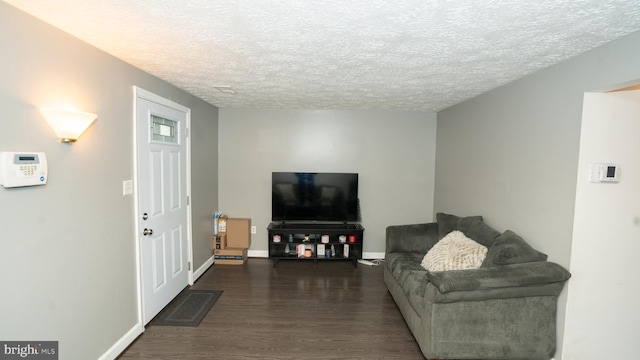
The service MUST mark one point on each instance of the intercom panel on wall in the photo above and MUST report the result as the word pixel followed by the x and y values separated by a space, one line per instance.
pixel 22 169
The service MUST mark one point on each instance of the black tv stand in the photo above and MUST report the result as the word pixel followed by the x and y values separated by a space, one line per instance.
pixel 315 241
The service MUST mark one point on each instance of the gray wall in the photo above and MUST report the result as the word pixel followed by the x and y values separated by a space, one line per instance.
pixel 512 154
pixel 204 177
pixel 68 266
pixel 393 152
pixel 605 251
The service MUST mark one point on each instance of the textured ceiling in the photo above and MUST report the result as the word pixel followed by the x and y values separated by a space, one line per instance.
pixel 340 54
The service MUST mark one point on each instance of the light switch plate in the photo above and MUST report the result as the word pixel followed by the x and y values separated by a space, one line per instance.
pixel 127 187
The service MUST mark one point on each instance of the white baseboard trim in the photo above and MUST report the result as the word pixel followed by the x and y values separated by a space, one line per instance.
pixel 258 253
pixel 265 254
pixel 207 264
pixel 373 255
pixel 116 349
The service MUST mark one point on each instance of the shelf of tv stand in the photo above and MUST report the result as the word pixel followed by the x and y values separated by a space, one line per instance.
pixel 310 235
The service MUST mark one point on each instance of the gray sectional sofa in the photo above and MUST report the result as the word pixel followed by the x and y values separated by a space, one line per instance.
pixel 505 309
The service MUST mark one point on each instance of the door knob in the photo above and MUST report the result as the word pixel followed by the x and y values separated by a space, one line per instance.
pixel 147 232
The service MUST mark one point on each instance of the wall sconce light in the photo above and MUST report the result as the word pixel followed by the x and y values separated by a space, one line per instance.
pixel 68 124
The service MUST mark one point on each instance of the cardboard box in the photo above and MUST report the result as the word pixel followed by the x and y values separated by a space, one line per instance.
pixel 220 242
pixel 238 231
pixel 230 256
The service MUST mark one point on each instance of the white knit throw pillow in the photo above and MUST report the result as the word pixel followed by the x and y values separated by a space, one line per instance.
pixel 455 251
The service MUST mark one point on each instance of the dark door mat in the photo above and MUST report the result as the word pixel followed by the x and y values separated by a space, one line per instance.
pixel 189 308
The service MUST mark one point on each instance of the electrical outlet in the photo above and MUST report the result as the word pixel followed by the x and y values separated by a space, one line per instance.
pixel 253 229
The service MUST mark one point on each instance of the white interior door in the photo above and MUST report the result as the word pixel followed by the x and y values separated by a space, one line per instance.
pixel 163 231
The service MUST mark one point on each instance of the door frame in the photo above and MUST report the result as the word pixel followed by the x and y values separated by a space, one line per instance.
pixel 144 94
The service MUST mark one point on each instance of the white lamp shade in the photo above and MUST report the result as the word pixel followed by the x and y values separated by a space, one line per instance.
pixel 68 125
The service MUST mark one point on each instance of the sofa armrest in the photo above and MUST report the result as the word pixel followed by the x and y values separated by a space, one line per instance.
pixel 416 238
pixel 497 277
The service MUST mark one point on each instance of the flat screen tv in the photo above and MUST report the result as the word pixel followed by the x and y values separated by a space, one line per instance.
pixel 314 197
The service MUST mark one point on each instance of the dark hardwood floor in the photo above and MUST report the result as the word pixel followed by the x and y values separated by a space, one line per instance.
pixel 295 311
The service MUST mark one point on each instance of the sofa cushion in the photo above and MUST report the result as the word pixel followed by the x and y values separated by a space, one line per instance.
pixel 510 248
pixel 413 286
pixel 448 223
pixel 454 252
pixel 514 276
pixel 397 263
pixel 479 231
pixel 406 270
pixel 473 227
